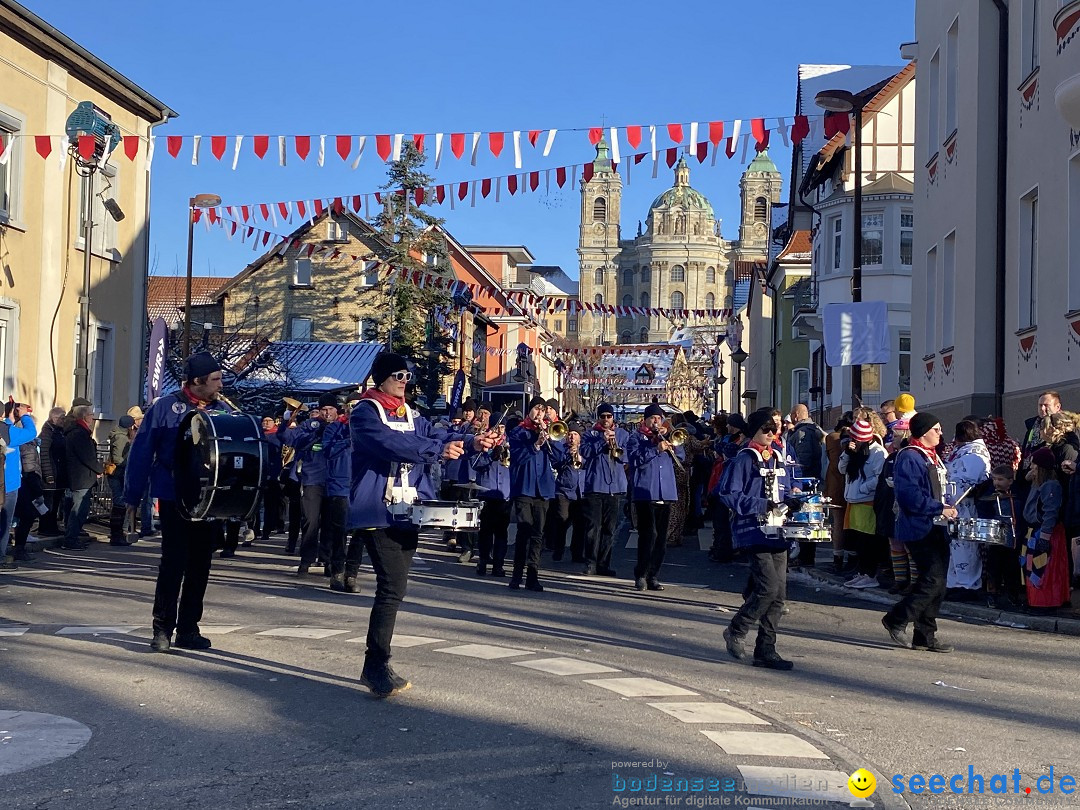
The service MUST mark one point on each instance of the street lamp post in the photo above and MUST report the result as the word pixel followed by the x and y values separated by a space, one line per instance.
pixel 844 101
pixel 738 357
pixel 198 201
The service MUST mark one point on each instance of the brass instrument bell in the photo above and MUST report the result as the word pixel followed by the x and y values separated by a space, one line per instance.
pixel 558 430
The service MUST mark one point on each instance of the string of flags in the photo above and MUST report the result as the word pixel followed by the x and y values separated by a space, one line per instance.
pixel 350 149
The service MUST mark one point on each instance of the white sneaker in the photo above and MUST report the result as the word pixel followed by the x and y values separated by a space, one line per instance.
pixel 854 581
pixel 867 582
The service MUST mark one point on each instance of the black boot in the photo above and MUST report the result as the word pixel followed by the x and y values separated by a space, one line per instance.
pixel 532 580
pixel 515 580
pixel 337 582
pixel 351 585
pixel 116 526
pixel 378 678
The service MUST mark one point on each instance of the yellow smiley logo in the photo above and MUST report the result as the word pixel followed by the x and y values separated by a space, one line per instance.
pixel 862 783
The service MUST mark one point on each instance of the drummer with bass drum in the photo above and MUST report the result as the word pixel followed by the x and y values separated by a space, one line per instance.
pixel 186 546
pixel 393 448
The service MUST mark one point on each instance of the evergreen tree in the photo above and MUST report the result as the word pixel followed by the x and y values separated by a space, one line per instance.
pixel 415 243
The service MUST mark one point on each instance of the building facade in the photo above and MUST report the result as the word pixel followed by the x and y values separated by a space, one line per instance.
pixel 679 261
pixel 43 76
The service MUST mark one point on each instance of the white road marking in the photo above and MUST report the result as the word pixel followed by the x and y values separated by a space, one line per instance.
pixel 219 629
pixel 764 744
pixel 12 631
pixel 301 632
pixel 96 630
pixel 485 651
pixel 640 687
pixel 401 641
pixel 796 783
pixel 709 713
pixel 31 739
pixel 632 540
pixel 705 539
pixel 564 666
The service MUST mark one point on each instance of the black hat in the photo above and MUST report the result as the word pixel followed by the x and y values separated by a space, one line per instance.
pixel 334 400
pixel 200 364
pixel 604 408
pixel 922 422
pixel 469 405
pixel 759 419
pixel 355 396
pixel 75 403
pixel 125 421
pixel 690 416
pixel 553 403
pixel 736 421
pixel 483 406
pixel 653 410
pixel 537 400
pixel 386 363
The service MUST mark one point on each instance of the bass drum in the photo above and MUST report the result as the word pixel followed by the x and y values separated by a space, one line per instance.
pixel 218 466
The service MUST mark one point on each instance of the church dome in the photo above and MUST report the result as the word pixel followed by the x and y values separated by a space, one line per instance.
pixel 681 195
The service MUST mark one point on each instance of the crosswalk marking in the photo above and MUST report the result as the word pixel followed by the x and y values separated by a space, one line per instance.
pixel 564 666
pixel 796 783
pixel 12 631
pixel 487 652
pixel 640 687
pixel 301 632
pixel 96 630
pixel 219 629
pixel 764 744
pixel 401 641
pixel 709 713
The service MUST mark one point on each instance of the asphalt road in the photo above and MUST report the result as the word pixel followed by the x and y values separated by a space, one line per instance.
pixel 518 699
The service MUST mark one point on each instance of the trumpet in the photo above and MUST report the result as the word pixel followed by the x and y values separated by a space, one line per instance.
pixel 614 451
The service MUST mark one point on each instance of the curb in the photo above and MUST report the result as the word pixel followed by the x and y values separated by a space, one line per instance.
pixel 1019 621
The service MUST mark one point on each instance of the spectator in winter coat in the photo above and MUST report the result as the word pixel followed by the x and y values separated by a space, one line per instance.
pixel 21 429
pixel 967 466
pixel 861 463
pixel 30 497
pixel 834 491
pixel 119 444
pixel 53 472
pixel 84 470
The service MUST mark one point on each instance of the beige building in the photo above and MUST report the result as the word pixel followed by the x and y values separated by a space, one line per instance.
pixel 43 76
pixel 680 260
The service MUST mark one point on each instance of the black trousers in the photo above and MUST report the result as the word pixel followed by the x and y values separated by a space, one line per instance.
pixel 348 556
pixel 577 530
pixel 652 524
pixel 556 524
pixel 391 551
pixel 1001 572
pixel 50 521
pixel 764 600
pixel 315 542
pixel 335 509
pixel 186 550
pixel 601 513
pixel 531 514
pixel 290 491
pixel 25 510
pixel 721 530
pixel 270 520
pixel 494 523
pixel 921 606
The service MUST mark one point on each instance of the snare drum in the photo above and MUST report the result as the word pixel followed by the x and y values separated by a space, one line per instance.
pixel 807 525
pixel 218 467
pixel 991 531
pixel 460 515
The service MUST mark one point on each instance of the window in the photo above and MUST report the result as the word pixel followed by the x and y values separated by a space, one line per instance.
pixel 103 236
pixel 710 301
pixel 571 324
pixel 761 209
pixel 710 275
pixel 625 337
pixel 598 277
pixel 948 290
pixel 873 238
pixel 599 210
pixel 678 273
pixel 952 66
pixel 558 325
pixel 300 328
pixel 101 367
pixel 599 299
pixel 1030 34
pixel 336 231
pixel 645 299
pixel 368 330
pixel 369 276
pixel 930 293
pixel 800 386
pixel 907 238
pixel 628 276
pixel 645 275
pixel 9 329
pixel 677 300
pixel 10 166
pixel 644 335
pixel 628 300
pixel 301 272
pixel 903 375
pixel 837 243
pixel 1029 258
pixel 932 103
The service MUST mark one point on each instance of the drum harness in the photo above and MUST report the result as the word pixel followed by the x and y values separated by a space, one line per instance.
pixel 399 498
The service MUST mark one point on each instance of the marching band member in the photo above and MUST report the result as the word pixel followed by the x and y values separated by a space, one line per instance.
pixel 456 472
pixel 652 473
pixel 392 447
pixel 532 484
pixel 603 450
pixel 919 481
pixel 493 477
pixel 186 547
pixel 743 490
pixel 565 508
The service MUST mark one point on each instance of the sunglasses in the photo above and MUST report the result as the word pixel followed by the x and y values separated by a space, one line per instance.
pixel 402 376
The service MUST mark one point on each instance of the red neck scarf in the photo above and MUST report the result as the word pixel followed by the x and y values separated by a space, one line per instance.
pixel 647 431
pixel 930 451
pixel 529 424
pixel 601 428
pixel 85 424
pixel 392 404
pixel 194 400
pixel 765 450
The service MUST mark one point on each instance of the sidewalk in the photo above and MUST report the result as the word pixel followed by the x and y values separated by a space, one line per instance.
pixel 1067 622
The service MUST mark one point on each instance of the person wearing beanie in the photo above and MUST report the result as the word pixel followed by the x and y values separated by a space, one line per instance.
pixel 456 473
pixel 905 406
pixel 116 465
pixel 603 453
pixel 186 547
pixel 861 463
pixel 653 490
pixel 1044 554
pixel 919 479
pixel 393 448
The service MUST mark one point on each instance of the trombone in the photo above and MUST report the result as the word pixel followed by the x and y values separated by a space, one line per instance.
pixel 288 452
pixel 677 438
pixel 558 430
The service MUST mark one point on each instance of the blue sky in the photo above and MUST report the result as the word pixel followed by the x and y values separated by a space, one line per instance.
pixel 276 67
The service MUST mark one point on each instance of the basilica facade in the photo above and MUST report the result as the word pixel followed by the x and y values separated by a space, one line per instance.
pixel 680 261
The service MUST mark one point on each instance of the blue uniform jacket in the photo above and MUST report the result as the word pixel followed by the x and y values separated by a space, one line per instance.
pixel 652 473
pixel 273 456
pixel 12 457
pixel 458 470
pixel 152 452
pixel 569 483
pixel 602 473
pixel 531 472
pixel 914 496
pixel 492 476
pixel 324 449
pixel 742 490
pixel 375 448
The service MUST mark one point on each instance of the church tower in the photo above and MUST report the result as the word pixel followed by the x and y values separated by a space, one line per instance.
pixel 598 247
pixel 760 189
